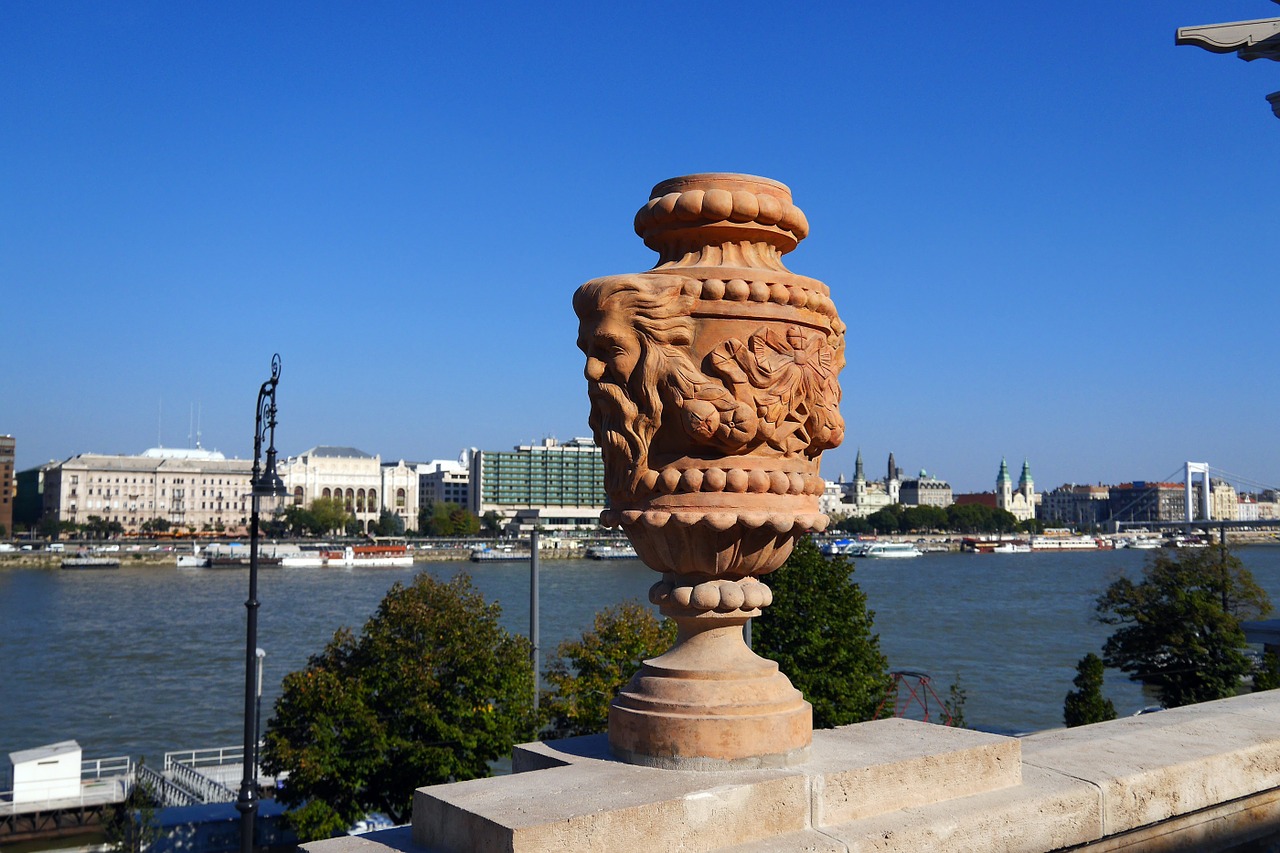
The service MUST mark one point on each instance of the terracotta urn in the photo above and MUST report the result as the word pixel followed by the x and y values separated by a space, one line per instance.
pixel 713 387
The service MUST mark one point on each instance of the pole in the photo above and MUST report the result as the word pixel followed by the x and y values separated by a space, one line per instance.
pixel 247 803
pixel 261 483
pixel 533 610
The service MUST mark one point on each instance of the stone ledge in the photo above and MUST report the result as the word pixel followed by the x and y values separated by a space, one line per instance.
pixel 1157 766
pixel 578 797
pixel 1200 778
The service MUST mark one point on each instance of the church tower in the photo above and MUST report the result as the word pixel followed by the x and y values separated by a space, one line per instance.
pixel 859 481
pixel 1004 487
pixel 1026 485
pixel 893 480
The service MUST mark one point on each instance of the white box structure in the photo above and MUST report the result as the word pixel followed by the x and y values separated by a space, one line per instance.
pixel 46 773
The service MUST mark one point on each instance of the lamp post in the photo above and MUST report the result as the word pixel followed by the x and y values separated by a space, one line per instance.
pixel 264 482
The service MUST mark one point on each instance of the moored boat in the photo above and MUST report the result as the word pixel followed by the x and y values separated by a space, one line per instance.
pixel 90 563
pixel 1012 548
pixel 352 556
pixel 611 552
pixel 890 550
pixel 496 555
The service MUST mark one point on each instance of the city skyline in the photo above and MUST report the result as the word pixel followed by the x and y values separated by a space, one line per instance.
pixel 1043 243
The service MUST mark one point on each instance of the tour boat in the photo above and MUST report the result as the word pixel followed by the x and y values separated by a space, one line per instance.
pixel 504 553
pixel 352 556
pixel 890 550
pixel 1012 548
pixel 611 552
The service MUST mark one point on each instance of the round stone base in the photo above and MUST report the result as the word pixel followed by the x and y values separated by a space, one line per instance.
pixel 711 704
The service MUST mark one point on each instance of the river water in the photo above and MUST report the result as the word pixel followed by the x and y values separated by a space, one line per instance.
pixel 145 660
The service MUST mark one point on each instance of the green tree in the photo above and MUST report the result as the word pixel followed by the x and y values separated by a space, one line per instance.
pixel 1267 675
pixel 819 630
pixel 887 520
pixel 432 690
pixel 129 826
pixel 329 514
pixel 955 701
pixel 388 524
pixel 587 673
pixel 1085 704
pixel 449 519
pixel 1179 627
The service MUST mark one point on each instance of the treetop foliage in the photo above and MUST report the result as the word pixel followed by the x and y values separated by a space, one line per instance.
pixel 587 673
pixel 1179 626
pixel 959 518
pixel 448 519
pixel 820 633
pixel 432 690
pixel 1086 704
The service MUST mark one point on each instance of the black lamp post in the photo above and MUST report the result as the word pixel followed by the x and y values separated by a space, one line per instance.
pixel 264 482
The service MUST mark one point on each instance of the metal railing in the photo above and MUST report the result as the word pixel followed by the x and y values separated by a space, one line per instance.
pixel 97 768
pixel 163 789
pixel 204 789
pixel 205 757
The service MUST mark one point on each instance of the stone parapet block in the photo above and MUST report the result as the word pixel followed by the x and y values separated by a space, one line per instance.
pixel 1203 778
pixel 577 797
pixel 886 765
pixel 1150 768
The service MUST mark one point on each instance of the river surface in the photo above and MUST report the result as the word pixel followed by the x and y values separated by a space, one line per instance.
pixel 146 660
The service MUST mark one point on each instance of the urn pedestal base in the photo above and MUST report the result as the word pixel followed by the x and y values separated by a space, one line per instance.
pixel 710 704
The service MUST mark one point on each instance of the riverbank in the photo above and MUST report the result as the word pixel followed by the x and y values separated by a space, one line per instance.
pixel 427 553
pixel 160 559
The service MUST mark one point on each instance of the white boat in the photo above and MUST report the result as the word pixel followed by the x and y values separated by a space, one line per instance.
pixel 357 556
pixel 1064 543
pixel 844 548
pixel 194 560
pixel 890 550
pixel 503 553
pixel 1012 548
pixel 611 552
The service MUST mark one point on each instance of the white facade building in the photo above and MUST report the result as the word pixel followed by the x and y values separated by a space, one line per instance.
pixel 192 489
pixel 445 481
pixel 337 473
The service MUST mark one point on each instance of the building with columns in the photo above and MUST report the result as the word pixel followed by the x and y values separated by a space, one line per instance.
pixel 338 473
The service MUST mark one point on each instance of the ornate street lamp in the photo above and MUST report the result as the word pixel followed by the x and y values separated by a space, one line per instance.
pixel 264 483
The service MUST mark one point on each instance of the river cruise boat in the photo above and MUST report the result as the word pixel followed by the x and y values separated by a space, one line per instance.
pixel 90 563
pixel 1064 543
pixel 890 550
pixel 351 557
pixel 611 552
pixel 1012 548
pixel 501 554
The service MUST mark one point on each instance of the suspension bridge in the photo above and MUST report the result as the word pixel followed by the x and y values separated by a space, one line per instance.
pixel 1151 505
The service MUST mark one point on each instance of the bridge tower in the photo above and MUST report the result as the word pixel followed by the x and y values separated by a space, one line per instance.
pixel 1201 468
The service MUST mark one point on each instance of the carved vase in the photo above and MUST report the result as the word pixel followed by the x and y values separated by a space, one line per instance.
pixel 713 386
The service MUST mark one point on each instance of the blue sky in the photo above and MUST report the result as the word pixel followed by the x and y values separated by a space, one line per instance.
pixel 1047 228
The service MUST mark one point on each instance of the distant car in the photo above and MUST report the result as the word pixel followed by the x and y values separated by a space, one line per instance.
pixel 5 547
pixel 57 546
